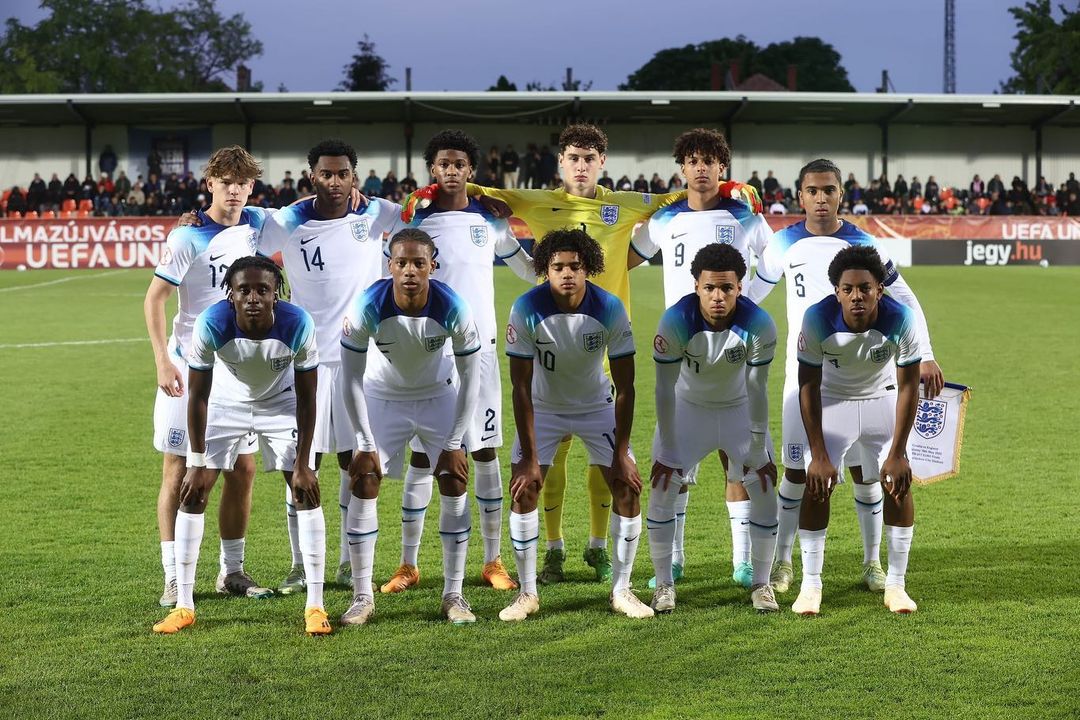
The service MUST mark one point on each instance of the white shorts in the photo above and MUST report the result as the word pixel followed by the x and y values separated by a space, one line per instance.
pixel 867 423
pixel 596 430
pixel 333 429
pixel 485 431
pixel 395 422
pixel 273 421
pixel 170 418
pixel 794 448
pixel 700 431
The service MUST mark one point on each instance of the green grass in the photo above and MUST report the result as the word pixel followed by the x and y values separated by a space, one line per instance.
pixel 993 566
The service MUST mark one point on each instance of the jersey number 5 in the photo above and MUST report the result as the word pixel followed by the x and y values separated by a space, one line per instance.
pixel 800 289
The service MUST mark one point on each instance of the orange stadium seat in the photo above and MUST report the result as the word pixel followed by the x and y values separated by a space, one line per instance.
pixel 83 214
pixel 4 196
pixel 86 204
pixel 68 204
pixel 48 214
pixel 14 214
pixel 31 214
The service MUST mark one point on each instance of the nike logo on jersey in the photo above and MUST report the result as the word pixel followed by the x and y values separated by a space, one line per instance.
pixel 305 241
pixel 380 343
pixel 545 342
pixel 796 265
pixel 679 235
pixel 215 259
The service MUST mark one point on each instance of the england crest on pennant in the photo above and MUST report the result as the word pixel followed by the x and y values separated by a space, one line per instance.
pixel 609 214
pixel 930 418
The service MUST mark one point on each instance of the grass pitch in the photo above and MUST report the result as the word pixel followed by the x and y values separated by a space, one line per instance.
pixel 993 565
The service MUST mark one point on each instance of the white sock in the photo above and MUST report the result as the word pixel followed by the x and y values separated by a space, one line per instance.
pixel 454 527
pixel 363 531
pixel 739 514
pixel 524 534
pixel 624 539
pixel 791 495
pixel 661 522
pixel 556 544
pixel 168 559
pixel 189 533
pixel 414 503
pixel 899 545
pixel 294 534
pixel 763 524
pixel 678 554
pixel 595 542
pixel 344 494
pixel 231 558
pixel 489 496
pixel 868 503
pixel 312 526
pixel 812 543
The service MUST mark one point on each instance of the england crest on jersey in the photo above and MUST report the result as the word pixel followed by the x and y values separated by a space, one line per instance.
pixel 479 235
pixel 593 341
pixel 176 437
pixel 725 234
pixel 253 241
pixel 609 214
pixel 360 230
pixel 879 354
pixel 432 344
pixel 930 418
pixel 280 363
pixel 735 354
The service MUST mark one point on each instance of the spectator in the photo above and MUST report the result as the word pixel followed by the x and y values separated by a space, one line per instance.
pixel 624 183
pixel 123 185
pixel 303 185
pixel 932 189
pixel 996 185
pixel 389 184
pixel 1043 188
pixel 509 163
pixel 55 192
pixel 900 187
pixel 657 186
pixel 105 189
pixel 487 178
pixel 88 189
pixel 916 187
pixel 494 162
pixel 755 182
pixel 372 184
pixel 549 166
pixel 674 184
pixel 777 208
pixel 530 168
pixel 883 186
pixel 107 161
pixel 36 194
pixel 287 195
pixel 153 163
pixel 71 187
pixel 16 203
pixel 998 205
pixel 850 183
pixel 1072 185
pixel 641 185
pixel 860 208
pixel 977 188
pixel 855 194
pixel 136 199
pixel 771 184
pixel 407 185
pixel 606 181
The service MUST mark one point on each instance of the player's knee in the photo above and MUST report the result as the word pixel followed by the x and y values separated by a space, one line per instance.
pixel 484 455
pixel 366 487
pixel 419 460
pixel 797 477
pixel 451 486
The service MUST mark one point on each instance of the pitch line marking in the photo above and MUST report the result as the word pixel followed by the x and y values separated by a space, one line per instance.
pixel 61 280
pixel 18 346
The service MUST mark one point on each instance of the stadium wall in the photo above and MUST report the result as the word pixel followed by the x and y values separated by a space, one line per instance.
pixel 951 154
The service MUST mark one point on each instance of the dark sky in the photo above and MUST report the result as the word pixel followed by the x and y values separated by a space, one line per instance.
pixel 467 44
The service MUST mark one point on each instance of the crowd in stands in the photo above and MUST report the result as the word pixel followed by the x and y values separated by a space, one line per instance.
pixel 537 167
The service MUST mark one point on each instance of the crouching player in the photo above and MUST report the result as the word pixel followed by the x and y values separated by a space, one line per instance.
pixel 556 339
pixel 712 353
pixel 258 338
pixel 847 396
pixel 407 389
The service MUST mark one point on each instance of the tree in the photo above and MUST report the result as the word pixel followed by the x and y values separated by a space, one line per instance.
pixel 690 67
pixel 367 71
pixel 115 46
pixel 1047 54
pixel 503 85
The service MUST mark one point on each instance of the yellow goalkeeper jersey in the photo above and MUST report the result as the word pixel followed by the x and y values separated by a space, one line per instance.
pixel 609 218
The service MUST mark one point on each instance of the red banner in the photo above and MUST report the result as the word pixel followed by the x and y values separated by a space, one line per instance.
pixel 138 242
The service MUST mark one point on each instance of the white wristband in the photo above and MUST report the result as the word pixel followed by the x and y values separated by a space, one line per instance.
pixel 196 459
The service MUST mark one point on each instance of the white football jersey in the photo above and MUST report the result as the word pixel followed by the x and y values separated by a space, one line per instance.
pixel 467 243
pixel 330 262
pixel 714 362
pixel 568 348
pixel 858 366
pixel 680 232
pixel 259 369
pixel 804 258
pixel 410 363
pixel 195 260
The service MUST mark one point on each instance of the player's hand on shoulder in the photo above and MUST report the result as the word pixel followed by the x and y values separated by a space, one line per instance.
pixel 188 218
pixel 357 200
pixel 170 380
pixel 931 377
pixel 364 463
pixel 454 463
pixel 896 476
pixel 496 207
pixel 661 475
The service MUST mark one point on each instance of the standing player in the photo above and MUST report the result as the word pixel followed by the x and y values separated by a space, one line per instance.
pixel 802 253
pixel 408 389
pixel 557 337
pixel 193 264
pixel 712 353
pixel 258 339
pixel 469 240
pixel 331 255
pixel 608 217
pixel 847 347
pixel 680 230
